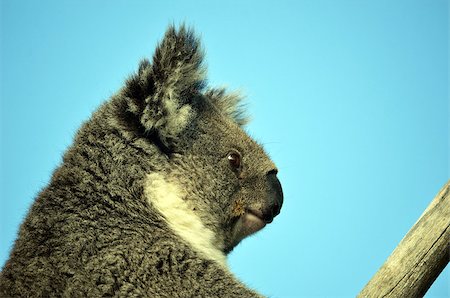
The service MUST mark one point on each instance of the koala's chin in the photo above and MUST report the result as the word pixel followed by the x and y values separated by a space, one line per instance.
pixel 247 224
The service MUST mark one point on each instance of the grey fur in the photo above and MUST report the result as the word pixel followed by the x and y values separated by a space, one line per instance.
pixel 93 232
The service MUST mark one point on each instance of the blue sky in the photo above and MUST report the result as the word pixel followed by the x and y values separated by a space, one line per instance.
pixel 350 98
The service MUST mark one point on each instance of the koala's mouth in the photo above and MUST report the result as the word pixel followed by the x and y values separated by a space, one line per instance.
pixel 252 221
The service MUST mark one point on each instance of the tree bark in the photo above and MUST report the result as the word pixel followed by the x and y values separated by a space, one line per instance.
pixel 419 258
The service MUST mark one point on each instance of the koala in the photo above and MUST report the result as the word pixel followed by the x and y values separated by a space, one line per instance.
pixel 159 185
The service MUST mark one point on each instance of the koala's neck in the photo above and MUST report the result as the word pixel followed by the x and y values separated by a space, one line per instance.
pixel 167 198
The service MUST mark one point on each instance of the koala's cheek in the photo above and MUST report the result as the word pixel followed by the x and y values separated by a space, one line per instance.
pixel 238 208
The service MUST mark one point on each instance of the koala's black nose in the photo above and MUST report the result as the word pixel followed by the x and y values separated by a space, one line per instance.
pixel 275 196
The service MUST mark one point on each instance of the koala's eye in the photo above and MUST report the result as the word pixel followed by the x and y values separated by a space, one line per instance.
pixel 235 160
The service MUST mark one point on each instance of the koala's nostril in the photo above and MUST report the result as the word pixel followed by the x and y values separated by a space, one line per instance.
pixel 272 172
pixel 275 195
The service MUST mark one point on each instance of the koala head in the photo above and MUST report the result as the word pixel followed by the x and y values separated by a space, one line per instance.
pixel 226 178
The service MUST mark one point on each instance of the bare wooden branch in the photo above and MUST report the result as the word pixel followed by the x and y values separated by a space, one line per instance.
pixel 419 258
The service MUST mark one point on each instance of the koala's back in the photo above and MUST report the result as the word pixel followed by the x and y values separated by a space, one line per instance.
pixel 79 224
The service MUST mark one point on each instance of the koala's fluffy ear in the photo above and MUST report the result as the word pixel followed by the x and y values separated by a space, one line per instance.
pixel 162 92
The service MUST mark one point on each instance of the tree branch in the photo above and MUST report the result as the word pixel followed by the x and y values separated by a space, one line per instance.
pixel 419 258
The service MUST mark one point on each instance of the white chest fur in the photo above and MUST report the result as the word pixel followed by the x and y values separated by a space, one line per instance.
pixel 167 198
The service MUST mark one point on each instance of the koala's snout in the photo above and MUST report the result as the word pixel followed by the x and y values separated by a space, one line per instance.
pixel 275 197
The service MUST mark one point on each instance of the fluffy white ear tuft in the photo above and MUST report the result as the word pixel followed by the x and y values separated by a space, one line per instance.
pixel 178 78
